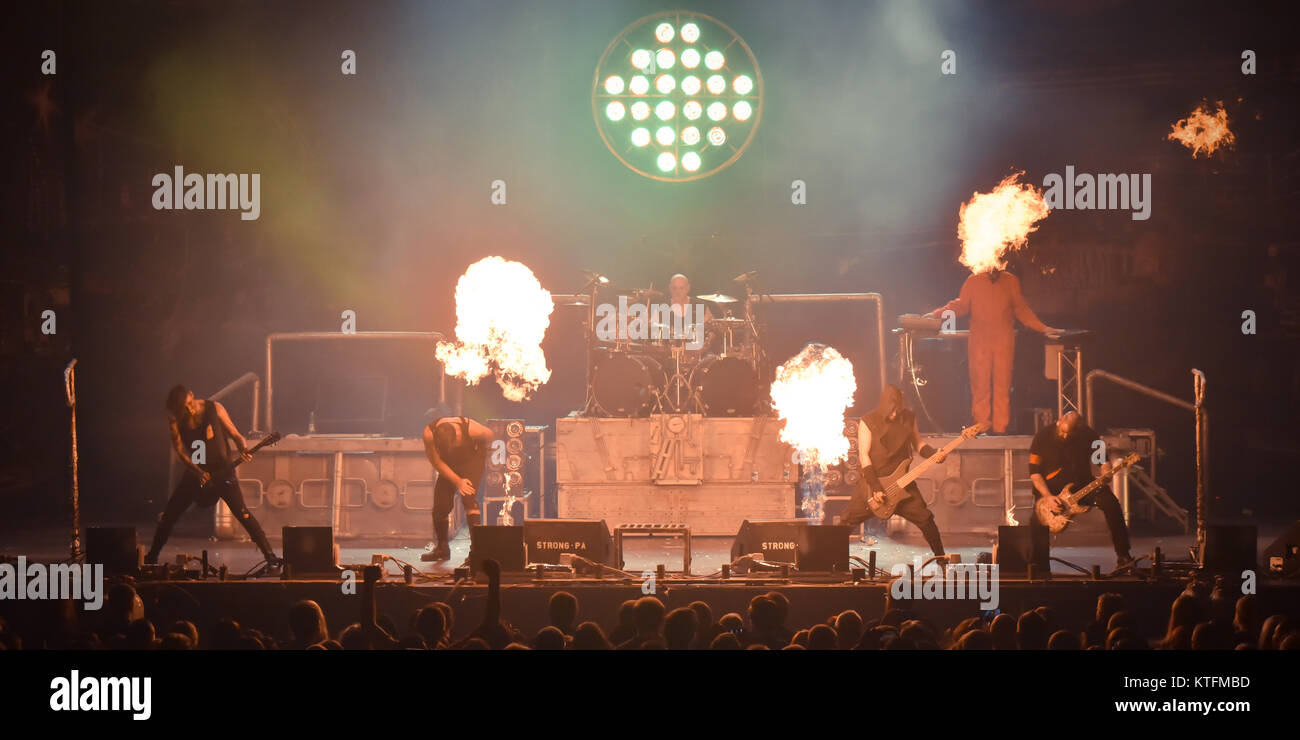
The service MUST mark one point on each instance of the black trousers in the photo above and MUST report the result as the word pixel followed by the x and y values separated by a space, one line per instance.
pixel 445 494
pixel 912 508
pixel 187 493
pixel 1103 498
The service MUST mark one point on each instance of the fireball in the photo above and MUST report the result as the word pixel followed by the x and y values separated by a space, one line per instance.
pixel 1203 131
pixel 992 224
pixel 502 313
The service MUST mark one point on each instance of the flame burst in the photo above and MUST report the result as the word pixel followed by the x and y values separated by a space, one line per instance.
pixel 502 313
pixel 991 224
pixel 810 393
pixel 1203 131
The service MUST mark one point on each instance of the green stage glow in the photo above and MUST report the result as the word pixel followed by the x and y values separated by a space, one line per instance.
pixel 638 89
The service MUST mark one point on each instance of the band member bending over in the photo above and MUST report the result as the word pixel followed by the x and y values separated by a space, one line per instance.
pixel 994 302
pixel 1061 454
pixel 887 437
pixel 191 421
pixel 457 448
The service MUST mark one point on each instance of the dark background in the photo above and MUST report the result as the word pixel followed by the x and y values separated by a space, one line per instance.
pixel 375 198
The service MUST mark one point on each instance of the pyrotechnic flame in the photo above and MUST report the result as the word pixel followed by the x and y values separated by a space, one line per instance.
pixel 502 313
pixel 1203 131
pixel 1011 517
pixel 810 393
pixel 992 224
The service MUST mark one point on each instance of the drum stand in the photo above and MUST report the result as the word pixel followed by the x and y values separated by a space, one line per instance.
pixel 664 403
pixel 590 406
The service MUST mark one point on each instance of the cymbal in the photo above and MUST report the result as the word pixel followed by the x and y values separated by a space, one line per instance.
pixel 642 293
pixel 730 321
pixel 717 298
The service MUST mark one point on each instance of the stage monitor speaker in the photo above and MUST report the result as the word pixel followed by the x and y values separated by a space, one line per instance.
pixel 1230 548
pixel 824 549
pixel 812 548
pixel 777 539
pixel 1283 556
pixel 310 551
pixel 547 539
pixel 502 544
pixel 1019 546
pixel 115 548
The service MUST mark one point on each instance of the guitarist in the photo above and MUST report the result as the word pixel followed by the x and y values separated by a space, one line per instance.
pixel 193 420
pixel 887 437
pixel 1060 455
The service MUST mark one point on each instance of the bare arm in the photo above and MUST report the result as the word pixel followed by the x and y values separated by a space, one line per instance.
pixel 229 426
pixel 865 466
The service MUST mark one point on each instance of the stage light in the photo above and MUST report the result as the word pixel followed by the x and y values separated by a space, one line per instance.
pixel 634 87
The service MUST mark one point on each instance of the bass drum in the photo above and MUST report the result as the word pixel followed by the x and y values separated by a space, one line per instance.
pixel 727 386
pixel 625 384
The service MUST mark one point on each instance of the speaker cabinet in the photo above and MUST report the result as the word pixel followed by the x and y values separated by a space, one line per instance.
pixel 1230 548
pixel 311 552
pixel 115 548
pixel 1283 556
pixel 812 548
pixel 547 539
pixel 1019 546
pixel 502 544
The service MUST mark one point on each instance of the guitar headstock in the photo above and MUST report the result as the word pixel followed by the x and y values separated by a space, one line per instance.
pixel 268 440
pixel 974 430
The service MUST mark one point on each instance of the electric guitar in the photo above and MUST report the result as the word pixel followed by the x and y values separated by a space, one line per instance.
pixel 225 475
pixel 896 482
pixel 1056 515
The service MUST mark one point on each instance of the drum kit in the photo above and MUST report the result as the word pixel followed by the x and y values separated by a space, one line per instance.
pixel 679 365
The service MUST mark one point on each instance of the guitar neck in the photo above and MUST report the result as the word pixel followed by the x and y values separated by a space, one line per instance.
pixel 926 464
pixel 1098 483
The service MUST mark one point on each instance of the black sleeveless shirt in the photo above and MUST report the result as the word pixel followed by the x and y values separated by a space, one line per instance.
pixel 891 441
pixel 218 451
pixel 463 452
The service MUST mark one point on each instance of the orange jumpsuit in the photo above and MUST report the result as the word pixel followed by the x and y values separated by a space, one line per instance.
pixel 994 306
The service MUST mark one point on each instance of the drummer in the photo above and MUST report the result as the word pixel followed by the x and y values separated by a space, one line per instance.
pixel 679 295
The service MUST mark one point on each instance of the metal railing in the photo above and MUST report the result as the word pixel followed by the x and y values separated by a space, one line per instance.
pixel 876 298
pixel 70 394
pixel 1197 407
pixel 426 336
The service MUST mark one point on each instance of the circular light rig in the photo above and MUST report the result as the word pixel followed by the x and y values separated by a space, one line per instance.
pixel 661 80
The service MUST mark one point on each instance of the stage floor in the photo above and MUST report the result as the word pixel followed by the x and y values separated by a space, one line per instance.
pixel 641 554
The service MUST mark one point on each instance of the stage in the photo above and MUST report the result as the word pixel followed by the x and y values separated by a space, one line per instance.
pixel 264 602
